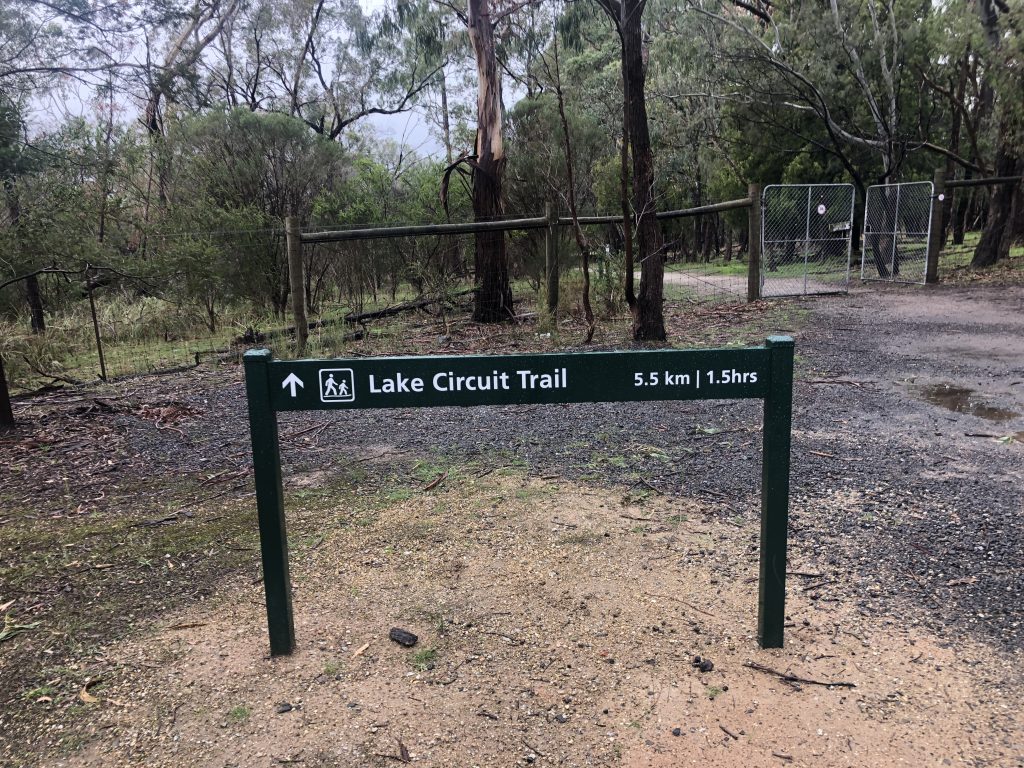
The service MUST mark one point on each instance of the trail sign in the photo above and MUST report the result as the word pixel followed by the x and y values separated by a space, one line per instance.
pixel 594 377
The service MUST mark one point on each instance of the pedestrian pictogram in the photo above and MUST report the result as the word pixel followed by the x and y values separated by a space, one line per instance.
pixel 337 385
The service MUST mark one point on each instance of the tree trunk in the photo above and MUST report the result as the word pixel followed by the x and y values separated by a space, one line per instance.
pixel 648 319
pixel 493 294
pixel 954 146
pixel 994 244
pixel 451 253
pixel 963 204
pixel 627 214
pixel 446 129
pixel 35 304
pixel 1017 218
pixel 6 414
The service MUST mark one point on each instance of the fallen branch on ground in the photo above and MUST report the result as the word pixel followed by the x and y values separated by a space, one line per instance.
pixel 790 678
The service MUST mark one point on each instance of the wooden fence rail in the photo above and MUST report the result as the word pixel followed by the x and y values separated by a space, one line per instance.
pixel 503 225
pixel 548 222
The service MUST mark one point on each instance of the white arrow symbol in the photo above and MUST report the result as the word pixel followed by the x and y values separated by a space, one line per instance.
pixel 292 381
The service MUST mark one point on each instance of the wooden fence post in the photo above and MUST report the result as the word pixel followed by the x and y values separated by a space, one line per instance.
pixel 754 243
pixel 931 272
pixel 551 259
pixel 297 281
pixel 6 414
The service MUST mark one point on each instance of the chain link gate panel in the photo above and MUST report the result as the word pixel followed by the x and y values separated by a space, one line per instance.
pixel 806 239
pixel 897 218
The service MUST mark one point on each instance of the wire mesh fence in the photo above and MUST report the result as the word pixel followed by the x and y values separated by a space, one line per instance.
pixel 806 239
pixel 706 258
pixel 897 218
pixel 183 299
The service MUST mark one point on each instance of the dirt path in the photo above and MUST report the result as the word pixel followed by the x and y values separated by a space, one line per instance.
pixel 557 627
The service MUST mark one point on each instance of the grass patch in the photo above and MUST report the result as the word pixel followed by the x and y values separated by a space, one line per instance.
pixel 239 714
pixel 400 494
pixel 427 472
pixel 40 691
pixel 423 659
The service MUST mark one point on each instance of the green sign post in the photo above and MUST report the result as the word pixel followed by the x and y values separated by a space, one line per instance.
pixel 594 377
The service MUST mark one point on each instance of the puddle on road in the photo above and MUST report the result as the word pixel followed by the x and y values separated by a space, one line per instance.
pixel 963 400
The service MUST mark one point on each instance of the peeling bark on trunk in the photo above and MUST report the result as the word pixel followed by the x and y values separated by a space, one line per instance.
pixel 494 294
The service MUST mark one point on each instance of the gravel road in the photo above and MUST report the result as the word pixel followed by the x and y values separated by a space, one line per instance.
pixel 909 508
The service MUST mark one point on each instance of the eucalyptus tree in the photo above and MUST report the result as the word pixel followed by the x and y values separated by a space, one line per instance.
pixel 839 87
pixel 329 64
pixel 842 79
pixel 487 161
pixel 494 292
pixel 15 161
pixel 648 315
pixel 1002 29
pixel 45 45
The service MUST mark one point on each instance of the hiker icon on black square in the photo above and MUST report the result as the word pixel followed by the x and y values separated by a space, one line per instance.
pixel 337 385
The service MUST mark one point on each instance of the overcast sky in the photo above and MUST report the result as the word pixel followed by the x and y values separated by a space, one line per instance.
pixel 48 111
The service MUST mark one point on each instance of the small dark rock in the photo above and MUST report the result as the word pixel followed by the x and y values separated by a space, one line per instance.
pixel 706 666
pixel 283 707
pixel 561 718
pixel 677 731
pixel 403 637
pixel 696 661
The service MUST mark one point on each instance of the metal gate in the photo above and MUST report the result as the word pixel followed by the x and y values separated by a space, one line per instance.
pixel 897 218
pixel 806 239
